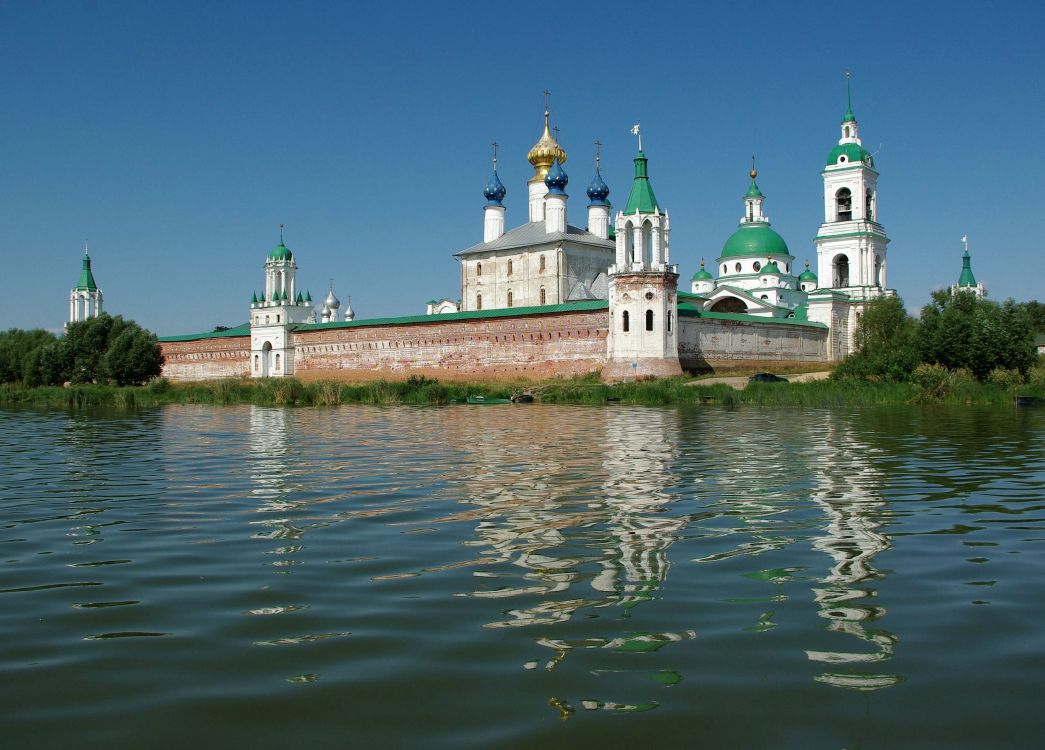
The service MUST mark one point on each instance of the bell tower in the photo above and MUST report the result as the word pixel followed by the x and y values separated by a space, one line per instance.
pixel 851 244
pixel 643 285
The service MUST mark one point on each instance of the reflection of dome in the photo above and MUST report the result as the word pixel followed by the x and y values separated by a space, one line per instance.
pixel 598 190
pixel 756 239
pixel 281 252
pixel 556 178
pixel 545 152
pixel 494 191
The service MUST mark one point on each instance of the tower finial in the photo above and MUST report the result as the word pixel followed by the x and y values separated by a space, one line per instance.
pixel 754 172
pixel 556 131
pixel 547 94
pixel 598 154
pixel 637 130
pixel 965 242
pixel 848 96
pixel 85 247
pixel 495 156
pixel 281 234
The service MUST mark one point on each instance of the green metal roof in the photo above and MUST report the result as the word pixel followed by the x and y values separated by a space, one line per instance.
pixel 642 199
pixel 754 239
pixel 241 330
pixel 753 191
pixel 86 282
pixel 504 312
pixel 702 275
pixel 807 275
pixel 688 311
pixel 770 267
pixel 966 279
pixel 281 252
pixel 853 152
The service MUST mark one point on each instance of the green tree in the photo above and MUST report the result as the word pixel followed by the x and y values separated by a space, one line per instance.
pixel 962 331
pixel 1036 312
pixel 133 357
pixel 885 344
pixel 16 346
pixel 47 365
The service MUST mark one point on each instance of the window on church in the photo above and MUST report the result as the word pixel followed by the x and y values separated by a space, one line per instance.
pixel 846 131
pixel 267 320
pixel 870 207
pixel 724 269
pixel 649 320
pixel 843 205
pixel 509 298
pixel 277 318
pixel 540 269
pixel 544 296
pixel 738 267
pixel 255 362
pixel 277 361
pixel 669 321
pixel 758 265
pixel 478 302
pixel 626 320
pixel 509 268
pixel 478 269
pixel 841 269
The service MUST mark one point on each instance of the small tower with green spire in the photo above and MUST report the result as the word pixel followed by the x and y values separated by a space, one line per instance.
pixel 85 299
pixel 967 281
pixel 643 288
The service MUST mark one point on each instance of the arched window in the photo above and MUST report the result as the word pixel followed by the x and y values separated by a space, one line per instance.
pixel 841 269
pixel 669 321
pixel 724 269
pixel 478 302
pixel 277 363
pixel 277 318
pixel 843 205
pixel 846 131
pixel 758 266
pixel 509 298
pixel 267 320
pixel 544 296
pixel 738 267
pixel 629 244
pixel 256 362
pixel 478 269
pixel 877 271
pixel 765 297
pixel 626 319
pixel 729 305
pixel 649 320
pixel 541 267
pixel 509 270
pixel 870 206
pixel 647 244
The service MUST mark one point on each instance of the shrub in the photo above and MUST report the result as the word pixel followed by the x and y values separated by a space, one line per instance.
pixel 1005 378
pixel 933 379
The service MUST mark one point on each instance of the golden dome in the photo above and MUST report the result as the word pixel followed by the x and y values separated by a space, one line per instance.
pixel 544 153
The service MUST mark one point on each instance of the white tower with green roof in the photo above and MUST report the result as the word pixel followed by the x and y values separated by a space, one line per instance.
pixel 967 281
pixel 643 284
pixel 85 299
pixel 272 317
pixel 851 243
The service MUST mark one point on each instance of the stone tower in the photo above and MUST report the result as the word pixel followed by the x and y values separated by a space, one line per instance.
pixel 643 332
pixel 85 299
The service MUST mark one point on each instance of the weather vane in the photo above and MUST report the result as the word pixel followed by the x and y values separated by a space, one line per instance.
pixel 637 130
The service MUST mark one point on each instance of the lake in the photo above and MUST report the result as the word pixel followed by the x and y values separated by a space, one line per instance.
pixel 522 576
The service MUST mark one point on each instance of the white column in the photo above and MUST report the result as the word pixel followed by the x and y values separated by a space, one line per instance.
pixel 555 212
pixel 493 222
pixel 639 255
pixel 537 191
pixel 599 221
pixel 656 259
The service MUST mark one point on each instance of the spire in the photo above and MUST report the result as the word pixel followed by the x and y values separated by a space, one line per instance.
pixel 86 282
pixel 641 199
pixel 753 191
pixel 598 191
pixel 966 279
pixel 849 98
pixel 753 199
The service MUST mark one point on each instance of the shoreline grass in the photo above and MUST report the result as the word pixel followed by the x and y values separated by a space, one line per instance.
pixel 427 392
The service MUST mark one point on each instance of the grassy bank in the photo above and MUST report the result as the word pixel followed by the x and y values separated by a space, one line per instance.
pixel 422 391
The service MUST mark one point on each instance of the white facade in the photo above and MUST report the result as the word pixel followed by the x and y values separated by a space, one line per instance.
pixel 282 305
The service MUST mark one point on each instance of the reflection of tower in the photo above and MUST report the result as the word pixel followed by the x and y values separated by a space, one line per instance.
pixel 270 473
pixel 847 494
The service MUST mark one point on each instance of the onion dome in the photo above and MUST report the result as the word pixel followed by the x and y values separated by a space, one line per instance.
pixel 350 314
pixel 598 190
pixel 807 275
pixel 331 301
pixel 702 275
pixel 544 153
pixel 494 191
pixel 770 267
pixel 556 179
pixel 754 239
pixel 281 252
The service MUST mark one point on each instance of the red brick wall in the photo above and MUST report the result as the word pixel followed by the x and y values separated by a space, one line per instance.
pixel 205 359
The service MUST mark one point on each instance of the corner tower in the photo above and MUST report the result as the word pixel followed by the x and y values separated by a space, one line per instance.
pixel 643 331
pixel 85 299
pixel 273 316
pixel 851 244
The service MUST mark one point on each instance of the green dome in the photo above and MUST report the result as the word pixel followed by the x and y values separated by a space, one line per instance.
pixel 755 239
pixel 281 252
pixel 853 152
pixel 771 267
pixel 702 275
pixel 807 275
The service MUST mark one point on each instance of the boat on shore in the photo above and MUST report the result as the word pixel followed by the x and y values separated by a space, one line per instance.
pixel 522 398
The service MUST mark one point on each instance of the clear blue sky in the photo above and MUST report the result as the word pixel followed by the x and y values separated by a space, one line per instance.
pixel 175 137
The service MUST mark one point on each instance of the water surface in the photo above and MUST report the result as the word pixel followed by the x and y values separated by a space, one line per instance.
pixel 522 576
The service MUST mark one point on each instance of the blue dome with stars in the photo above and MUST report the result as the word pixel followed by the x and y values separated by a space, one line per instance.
pixel 556 179
pixel 598 190
pixel 494 190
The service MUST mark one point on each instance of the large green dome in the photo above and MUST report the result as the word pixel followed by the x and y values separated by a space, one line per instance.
pixel 756 239
pixel 281 252
pixel 853 153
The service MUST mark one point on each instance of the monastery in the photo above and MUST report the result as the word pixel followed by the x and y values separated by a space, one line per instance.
pixel 550 298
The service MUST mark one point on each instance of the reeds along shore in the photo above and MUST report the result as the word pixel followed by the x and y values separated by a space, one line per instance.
pixel 427 392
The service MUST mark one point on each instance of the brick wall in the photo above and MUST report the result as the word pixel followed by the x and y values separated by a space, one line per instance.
pixel 205 359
